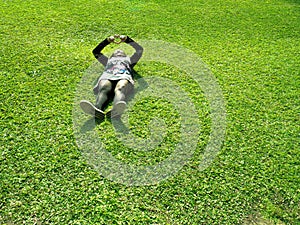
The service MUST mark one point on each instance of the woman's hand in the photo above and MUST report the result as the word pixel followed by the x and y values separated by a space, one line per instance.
pixel 117 39
pixel 111 39
pixel 123 38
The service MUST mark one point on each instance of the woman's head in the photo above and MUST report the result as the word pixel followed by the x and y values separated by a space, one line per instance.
pixel 118 53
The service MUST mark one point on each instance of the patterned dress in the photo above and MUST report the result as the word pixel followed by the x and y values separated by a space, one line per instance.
pixel 117 68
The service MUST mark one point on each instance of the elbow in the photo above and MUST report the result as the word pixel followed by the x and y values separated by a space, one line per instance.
pixel 95 53
pixel 140 51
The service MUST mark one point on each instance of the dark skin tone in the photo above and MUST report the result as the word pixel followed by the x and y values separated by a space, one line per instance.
pixel 120 91
pixel 121 87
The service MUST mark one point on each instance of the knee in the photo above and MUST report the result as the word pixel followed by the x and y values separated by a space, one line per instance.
pixel 105 87
pixel 122 86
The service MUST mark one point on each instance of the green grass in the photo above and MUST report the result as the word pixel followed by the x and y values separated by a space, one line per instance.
pixel 251 47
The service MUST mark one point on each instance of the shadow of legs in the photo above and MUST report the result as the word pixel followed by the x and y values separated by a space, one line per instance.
pixel 90 124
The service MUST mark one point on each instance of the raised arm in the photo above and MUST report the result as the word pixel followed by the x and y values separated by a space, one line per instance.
pixel 98 54
pixel 138 51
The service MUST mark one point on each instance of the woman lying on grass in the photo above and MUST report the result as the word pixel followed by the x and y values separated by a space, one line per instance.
pixel 116 79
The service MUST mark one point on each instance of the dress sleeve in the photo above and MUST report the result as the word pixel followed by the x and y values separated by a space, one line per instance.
pixel 138 51
pixel 98 54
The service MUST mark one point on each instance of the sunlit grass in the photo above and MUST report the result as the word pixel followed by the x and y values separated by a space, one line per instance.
pixel 252 48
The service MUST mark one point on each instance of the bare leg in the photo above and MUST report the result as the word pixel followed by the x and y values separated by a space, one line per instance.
pixel 122 88
pixel 104 89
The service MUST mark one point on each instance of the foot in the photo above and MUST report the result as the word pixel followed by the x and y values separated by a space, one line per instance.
pixel 117 110
pixel 91 110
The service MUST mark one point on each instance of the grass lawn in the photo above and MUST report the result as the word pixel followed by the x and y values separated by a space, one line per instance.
pixel 252 48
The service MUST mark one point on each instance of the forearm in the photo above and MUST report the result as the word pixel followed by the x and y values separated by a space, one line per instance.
pixel 138 50
pixel 97 51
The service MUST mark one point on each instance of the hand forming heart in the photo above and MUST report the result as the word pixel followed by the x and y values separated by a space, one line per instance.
pixel 117 39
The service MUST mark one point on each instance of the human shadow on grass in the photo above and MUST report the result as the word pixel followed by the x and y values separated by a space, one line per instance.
pixel 90 124
pixel 117 122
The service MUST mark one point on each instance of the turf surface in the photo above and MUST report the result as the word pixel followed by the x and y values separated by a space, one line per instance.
pixel 251 47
